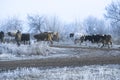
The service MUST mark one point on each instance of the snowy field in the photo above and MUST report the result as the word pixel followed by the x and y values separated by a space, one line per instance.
pixel 34 51
pixel 93 72
pixel 43 50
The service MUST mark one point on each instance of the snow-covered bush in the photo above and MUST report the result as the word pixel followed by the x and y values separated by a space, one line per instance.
pixel 39 48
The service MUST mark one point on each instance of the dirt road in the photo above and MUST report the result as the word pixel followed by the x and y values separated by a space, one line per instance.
pixel 60 62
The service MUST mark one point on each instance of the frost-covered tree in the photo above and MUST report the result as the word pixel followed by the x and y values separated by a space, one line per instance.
pixel 113 15
pixel 75 27
pixel 78 27
pixel 12 24
pixel 94 25
pixel 53 24
pixel 36 23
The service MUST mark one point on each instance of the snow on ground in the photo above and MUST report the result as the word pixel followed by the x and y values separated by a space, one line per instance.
pixel 37 50
pixel 10 51
pixel 93 72
pixel 42 50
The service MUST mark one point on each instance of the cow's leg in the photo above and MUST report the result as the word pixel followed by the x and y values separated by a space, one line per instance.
pixel 24 42
pixel 2 40
pixel 103 44
pixel 98 44
pixel 18 43
pixel 48 42
pixel 75 41
pixel 108 45
pixel 29 42
pixel 85 43
pixel 80 42
pixel 51 42
pixel 111 43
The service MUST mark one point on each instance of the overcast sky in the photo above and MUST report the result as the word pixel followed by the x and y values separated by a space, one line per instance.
pixel 66 10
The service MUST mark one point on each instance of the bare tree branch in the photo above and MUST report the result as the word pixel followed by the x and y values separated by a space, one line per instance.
pixel 113 14
pixel 36 23
pixel 12 24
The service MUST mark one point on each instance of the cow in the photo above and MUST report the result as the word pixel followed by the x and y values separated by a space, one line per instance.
pixel 96 38
pixel 11 34
pixel 71 35
pixel 2 36
pixel 46 36
pixel 79 40
pixel 11 37
pixel 84 38
pixel 88 38
pixel 18 37
pixel 25 37
pixel 55 36
pixel 106 40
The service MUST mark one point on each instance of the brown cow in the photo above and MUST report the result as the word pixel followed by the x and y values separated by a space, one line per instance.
pixel 106 40
pixel 55 36
pixel 46 36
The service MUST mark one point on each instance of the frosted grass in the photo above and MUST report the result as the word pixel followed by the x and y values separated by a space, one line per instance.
pixel 37 50
pixel 94 72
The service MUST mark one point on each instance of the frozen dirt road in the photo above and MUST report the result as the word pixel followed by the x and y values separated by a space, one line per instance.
pixel 59 62
pixel 95 56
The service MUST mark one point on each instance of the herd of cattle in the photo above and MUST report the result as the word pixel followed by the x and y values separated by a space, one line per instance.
pixel 24 38
pixel 96 38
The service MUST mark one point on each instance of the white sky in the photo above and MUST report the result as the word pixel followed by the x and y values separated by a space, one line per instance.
pixel 66 10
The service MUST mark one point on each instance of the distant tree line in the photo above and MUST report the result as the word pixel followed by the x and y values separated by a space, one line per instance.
pixel 38 24
pixel 91 25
